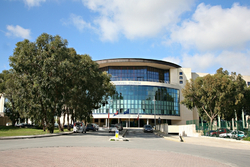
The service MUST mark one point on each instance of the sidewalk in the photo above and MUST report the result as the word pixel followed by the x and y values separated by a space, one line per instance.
pixel 208 141
pixel 36 136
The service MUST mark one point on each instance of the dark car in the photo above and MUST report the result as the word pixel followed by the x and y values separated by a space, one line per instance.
pixel 220 131
pixel 148 128
pixel 119 126
pixel 96 126
pixel 91 127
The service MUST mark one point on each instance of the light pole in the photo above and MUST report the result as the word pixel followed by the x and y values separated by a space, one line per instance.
pixel 154 112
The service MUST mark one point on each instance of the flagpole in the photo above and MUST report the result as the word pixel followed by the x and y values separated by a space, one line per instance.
pixel 129 120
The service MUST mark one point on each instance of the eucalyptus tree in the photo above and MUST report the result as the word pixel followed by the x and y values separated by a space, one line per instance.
pixel 54 79
pixel 220 94
pixel 39 68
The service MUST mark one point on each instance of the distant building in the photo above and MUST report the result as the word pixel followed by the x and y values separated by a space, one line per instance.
pixel 148 88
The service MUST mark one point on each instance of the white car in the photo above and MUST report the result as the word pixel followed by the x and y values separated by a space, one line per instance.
pixel 224 135
pixel 79 127
pixel 233 134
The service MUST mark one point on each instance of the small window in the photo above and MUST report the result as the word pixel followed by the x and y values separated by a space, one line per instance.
pixel 248 83
pixel 180 73
pixel 181 77
pixel 181 82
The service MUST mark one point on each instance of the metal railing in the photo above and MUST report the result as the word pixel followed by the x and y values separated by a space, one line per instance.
pixel 206 128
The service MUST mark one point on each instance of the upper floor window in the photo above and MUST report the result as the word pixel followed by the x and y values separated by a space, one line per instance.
pixel 181 77
pixel 180 73
pixel 181 82
pixel 248 83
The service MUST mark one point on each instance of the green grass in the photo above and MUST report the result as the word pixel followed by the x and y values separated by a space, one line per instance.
pixel 16 131
pixel 247 139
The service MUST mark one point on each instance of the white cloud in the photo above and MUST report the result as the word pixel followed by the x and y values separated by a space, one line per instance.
pixel 133 19
pixel 18 31
pixel 198 62
pixel 212 28
pixel 77 21
pixel 235 62
pixel 209 62
pixel 175 60
pixel 31 3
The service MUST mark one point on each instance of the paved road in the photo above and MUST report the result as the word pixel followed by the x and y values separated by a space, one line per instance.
pixel 95 149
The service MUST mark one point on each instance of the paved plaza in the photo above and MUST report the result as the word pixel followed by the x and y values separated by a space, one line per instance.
pixel 143 149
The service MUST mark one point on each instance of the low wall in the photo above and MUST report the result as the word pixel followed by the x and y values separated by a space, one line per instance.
pixel 4 120
pixel 183 130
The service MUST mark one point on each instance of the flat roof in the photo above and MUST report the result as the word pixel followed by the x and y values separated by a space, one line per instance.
pixel 136 62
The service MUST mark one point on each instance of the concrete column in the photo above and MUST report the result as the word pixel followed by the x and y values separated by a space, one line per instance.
pixel 233 123
pixel 106 122
pixel 118 120
pixel 243 119
pixel 99 122
pixel 1 105
pixel 147 121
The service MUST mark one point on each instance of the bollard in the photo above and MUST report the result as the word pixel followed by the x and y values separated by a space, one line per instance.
pixel 117 134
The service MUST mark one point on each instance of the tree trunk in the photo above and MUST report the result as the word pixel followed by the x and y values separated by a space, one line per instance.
pixel 59 124
pixel 63 119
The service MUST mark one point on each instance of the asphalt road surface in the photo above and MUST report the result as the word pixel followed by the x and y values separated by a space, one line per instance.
pixel 142 149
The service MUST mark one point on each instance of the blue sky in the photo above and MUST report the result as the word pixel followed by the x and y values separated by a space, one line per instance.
pixel 201 35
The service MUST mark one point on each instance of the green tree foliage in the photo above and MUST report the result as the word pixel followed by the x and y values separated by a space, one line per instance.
pixel 8 88
pixel 220 94
pixel 54 79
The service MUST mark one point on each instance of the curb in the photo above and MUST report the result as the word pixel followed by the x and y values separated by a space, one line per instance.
pixel 227 139
pixel 36 136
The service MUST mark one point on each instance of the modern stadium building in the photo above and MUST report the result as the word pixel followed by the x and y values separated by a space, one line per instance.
pixel 146 91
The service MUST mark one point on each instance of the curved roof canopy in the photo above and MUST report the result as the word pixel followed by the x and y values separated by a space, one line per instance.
pixel 136 62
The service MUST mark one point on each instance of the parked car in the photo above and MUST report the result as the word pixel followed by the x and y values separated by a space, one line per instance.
pixel 208 133
pixel 66 126
pixel 119 126
pixel 20 125
pixel 233 134
pixel 8 124
pixel 91 127
pixel 148 128
pixel 56 125
pixel 79 127
pixel 113 128
pixel 96 126
pixel 219 131
pixel 236 134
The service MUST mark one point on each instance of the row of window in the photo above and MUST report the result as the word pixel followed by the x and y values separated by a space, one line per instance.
pixel 143 99
pixel 129 73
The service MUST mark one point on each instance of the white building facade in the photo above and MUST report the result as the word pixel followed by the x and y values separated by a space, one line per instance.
pixel 147 91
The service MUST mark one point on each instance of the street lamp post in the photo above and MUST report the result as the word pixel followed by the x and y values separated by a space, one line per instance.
pixel 154 112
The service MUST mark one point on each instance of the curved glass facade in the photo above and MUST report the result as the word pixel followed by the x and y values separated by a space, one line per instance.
pixel 140 99
pixel 128 73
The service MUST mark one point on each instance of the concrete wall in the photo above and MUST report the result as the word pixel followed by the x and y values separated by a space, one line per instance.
pixel 1 105
pixel 183 130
